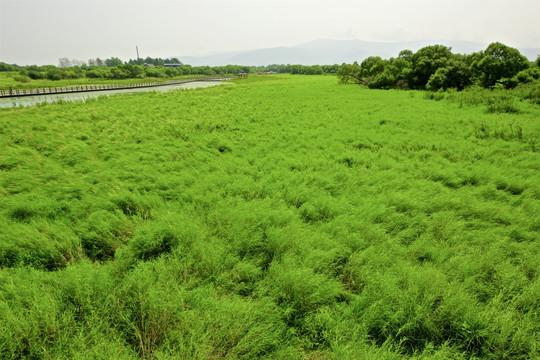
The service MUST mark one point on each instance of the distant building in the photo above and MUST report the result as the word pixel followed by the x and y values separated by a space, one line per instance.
pixel 172 65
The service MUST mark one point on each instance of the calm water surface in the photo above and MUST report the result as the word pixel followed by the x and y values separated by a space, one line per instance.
pixel 32 100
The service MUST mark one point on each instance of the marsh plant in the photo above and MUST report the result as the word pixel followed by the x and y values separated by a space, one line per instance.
pixel 282 217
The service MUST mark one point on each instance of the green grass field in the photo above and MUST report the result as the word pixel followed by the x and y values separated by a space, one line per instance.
pixel 281 217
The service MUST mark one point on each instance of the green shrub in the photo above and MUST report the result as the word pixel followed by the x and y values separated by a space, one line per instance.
pixel 154 72
pixel 6 67
pixel 534 95
pixel 93 74
pixel 437 96
pixel 55 74
pixel 35 75
pixel 502 105
pixel 22 78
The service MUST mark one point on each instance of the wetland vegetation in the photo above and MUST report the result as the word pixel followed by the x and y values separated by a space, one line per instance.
pixel 282 217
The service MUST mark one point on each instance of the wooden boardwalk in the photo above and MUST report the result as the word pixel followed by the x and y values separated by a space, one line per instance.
pixel 88 88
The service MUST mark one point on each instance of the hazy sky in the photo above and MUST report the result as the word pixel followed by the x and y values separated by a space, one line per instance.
pixel 40 32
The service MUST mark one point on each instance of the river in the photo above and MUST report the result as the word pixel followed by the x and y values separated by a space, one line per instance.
pixel 33 100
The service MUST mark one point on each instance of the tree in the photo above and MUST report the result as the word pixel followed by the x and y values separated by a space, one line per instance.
pixel 76 62
pixel 114 61
pixel 330 69
pixel 372 66
pixel 33 74
pixel 185 70
pixel 6 67
pixel 498 63
pixel 64 62
pixel 133 71
pixel 172 61
pixel 529 75
pixel 456 74
pixel 96 62
pixel 425 63
pixel 349 73
pixel 405 54
pixel 383 80
pixel 313 70
pixel 55 74
pixel 295 69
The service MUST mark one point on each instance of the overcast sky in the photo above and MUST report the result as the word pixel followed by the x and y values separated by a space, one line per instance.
pixel 40 32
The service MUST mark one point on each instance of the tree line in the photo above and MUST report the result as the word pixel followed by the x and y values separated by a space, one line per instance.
pixel 115 68
pixel 432 67
pixel 297 69
pixel 435 67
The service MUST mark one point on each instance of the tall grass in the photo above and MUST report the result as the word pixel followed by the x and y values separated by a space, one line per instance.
pixel 281 218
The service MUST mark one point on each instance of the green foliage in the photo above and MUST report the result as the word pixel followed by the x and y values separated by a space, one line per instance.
pixel 528 76
pixel 92 74
pixel 534 94
pixel 435 67
pixel 113 62
pixel 499 63
pixel 437 96
pixel 350 73
pixel 155 61
pixel 64 73
pixel 153 72
pixel 35 75
pixel 496 100
pixel 22 78
pixel 313 70
pixel 372 66
pixel 455 75
pixel 6 67
pixel 55 74
pixel 281 217
pixel 502 106
pixel 426 61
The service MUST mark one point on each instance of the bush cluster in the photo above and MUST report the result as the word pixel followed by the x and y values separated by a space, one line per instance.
pixel 436 67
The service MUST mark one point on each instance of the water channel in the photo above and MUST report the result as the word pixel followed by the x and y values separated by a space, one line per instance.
pixel 38 99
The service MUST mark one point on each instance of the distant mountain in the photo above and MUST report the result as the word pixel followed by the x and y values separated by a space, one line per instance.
pixel 327 52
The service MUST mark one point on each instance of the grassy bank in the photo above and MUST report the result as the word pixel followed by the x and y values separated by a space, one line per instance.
pixel 281 218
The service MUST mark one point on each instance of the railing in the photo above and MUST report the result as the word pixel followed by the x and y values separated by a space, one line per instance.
pixel 88 88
